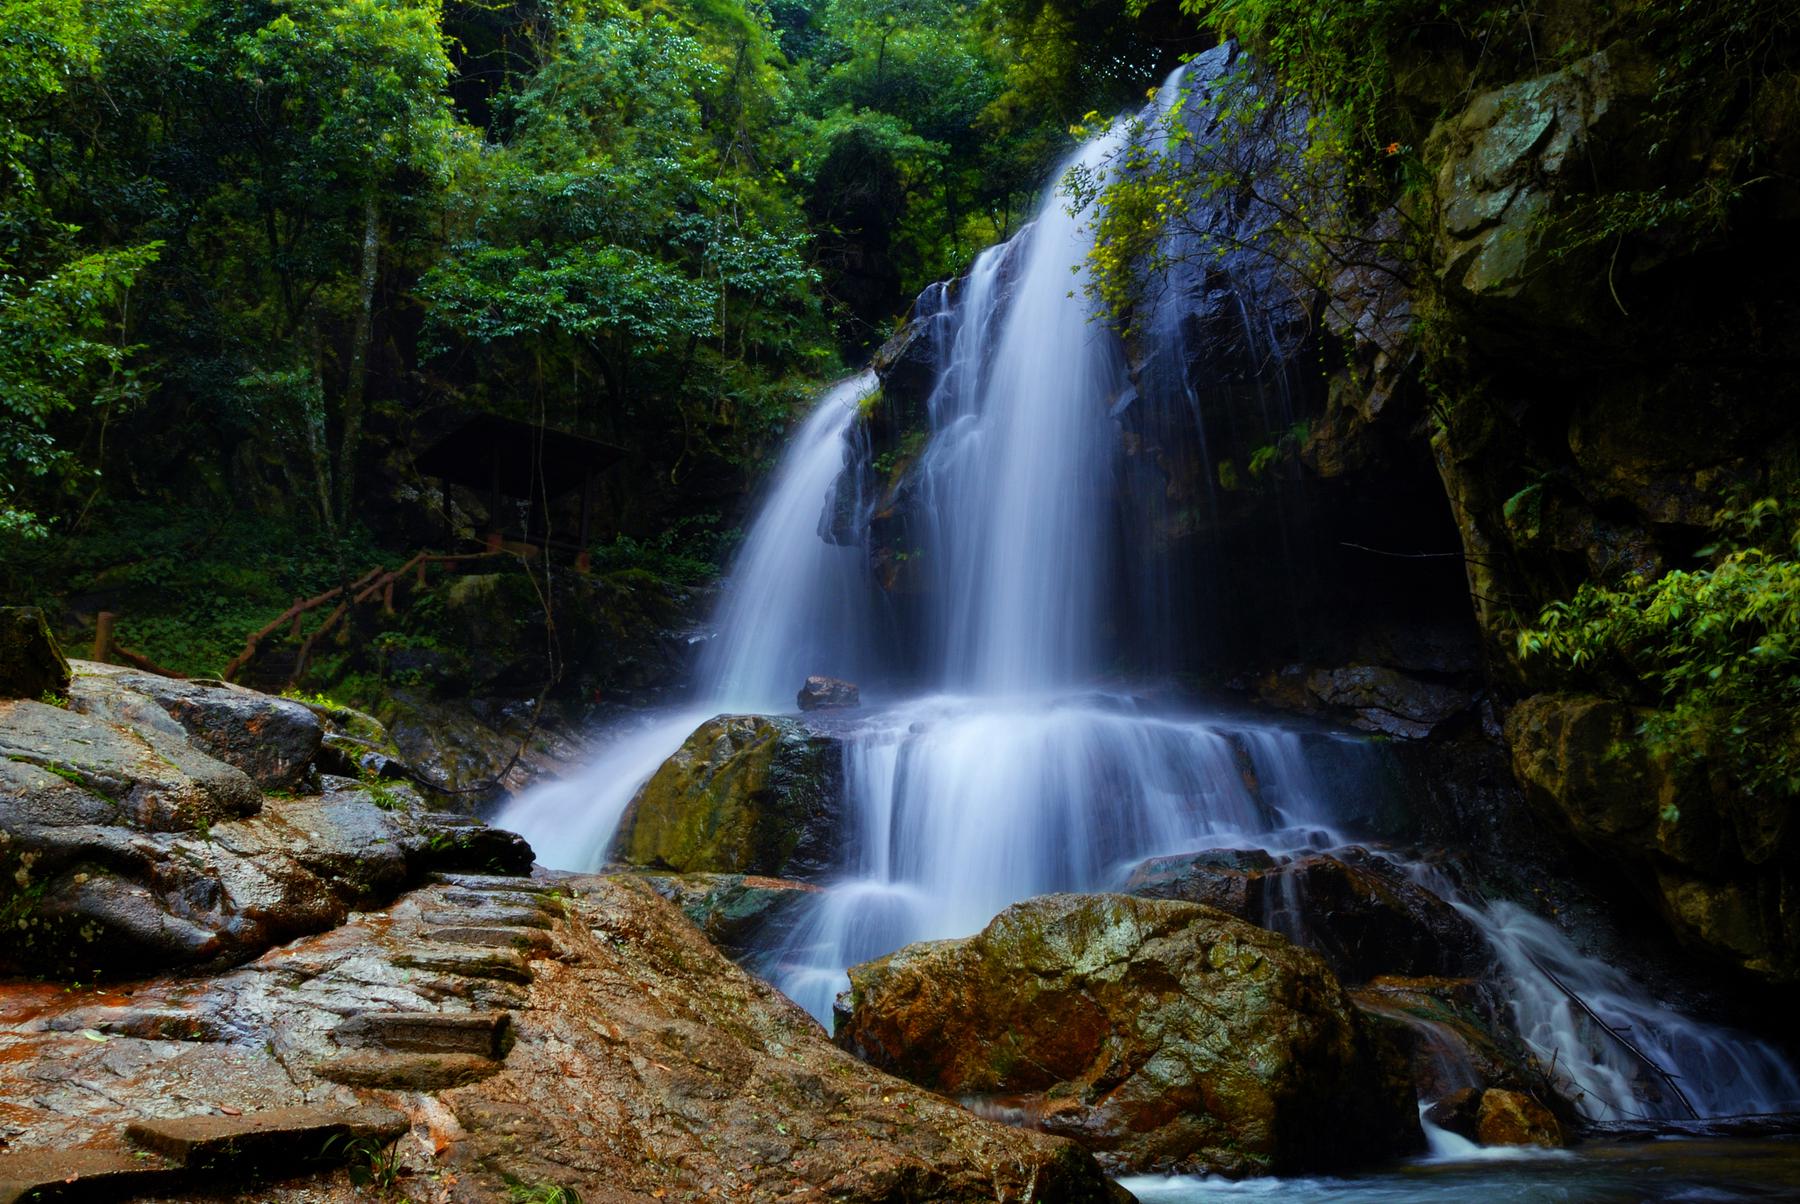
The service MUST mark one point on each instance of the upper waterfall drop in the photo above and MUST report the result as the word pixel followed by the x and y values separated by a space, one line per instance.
pixel 793 604
pixel 1018 472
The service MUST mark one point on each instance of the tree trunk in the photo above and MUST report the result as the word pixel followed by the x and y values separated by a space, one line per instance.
pixel 355 386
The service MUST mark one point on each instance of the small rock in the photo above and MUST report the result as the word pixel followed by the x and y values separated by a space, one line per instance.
pixel 31 665
pixel 1514 1118
pixel 829 694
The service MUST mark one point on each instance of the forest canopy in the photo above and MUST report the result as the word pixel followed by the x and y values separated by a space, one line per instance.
pixel 239 240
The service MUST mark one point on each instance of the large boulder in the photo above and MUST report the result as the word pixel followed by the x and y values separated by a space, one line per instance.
pixel 274 740
pixel 610 1052
pixel 126 849
pixel 745 794
pixel 31 665
pixel 1358 911
pixel 1163 1036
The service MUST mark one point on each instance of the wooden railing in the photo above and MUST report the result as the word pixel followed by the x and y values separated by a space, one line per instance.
pixel 378 582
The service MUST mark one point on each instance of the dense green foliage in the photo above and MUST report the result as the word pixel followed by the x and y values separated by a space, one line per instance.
pixel 1715 649
pixel 255 256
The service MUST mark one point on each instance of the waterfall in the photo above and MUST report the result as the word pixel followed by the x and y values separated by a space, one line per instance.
pixel 1020 463
pixel 1019 768
pixel 794 604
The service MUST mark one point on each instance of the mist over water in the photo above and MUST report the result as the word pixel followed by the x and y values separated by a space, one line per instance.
pixel 1014 770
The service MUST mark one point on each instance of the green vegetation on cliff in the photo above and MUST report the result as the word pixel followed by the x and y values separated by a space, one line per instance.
pixel 1715 648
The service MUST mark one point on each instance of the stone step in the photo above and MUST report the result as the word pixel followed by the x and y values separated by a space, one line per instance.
pixel 499 917
pixel 486 1034
pixel 266 1143
pixel 407 1071
pixel 82 1175
pixel 459 897
pixel 529 940
pixel 495 882
pixel 147 1023
pixel 506 965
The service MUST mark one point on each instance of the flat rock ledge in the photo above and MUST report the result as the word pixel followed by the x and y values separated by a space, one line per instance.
pixel 613 1052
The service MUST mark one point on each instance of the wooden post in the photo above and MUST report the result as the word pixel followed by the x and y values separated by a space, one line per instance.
pixel 587 508
pixel 295 633
pixel 419 581
pixel 494 526
pixel 103 635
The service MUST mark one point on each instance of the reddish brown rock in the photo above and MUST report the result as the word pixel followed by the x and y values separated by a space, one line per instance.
pixel 1164 1036
pixel 643 1065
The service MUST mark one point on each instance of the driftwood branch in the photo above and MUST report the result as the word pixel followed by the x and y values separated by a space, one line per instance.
pixel 1629 1045
pixel 378 581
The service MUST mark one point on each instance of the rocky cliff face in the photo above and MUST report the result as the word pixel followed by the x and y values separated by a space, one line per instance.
pixel 1601 388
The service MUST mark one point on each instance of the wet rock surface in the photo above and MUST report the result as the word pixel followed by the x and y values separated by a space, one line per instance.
pixel 127 848
pixel 742 914
pixel 627 1060
pixel 1358 911
pixel 273 740
pixel 1379 699
pixel 828 694
pixel 745 794
pixel 1163 1036
pixel 1456 1032
pixel 1717 863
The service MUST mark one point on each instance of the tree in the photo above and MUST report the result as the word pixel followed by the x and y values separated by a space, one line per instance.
pixel 61 344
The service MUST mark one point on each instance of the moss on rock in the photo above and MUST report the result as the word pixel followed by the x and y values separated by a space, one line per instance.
pixel 746 794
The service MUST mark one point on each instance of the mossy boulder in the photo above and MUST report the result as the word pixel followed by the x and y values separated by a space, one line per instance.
pixel 31 665
pixel 1718 863
pixel 745 794
pixel 1163 1036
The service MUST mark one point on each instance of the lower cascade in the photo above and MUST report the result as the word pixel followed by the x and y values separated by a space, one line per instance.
pixel 995 757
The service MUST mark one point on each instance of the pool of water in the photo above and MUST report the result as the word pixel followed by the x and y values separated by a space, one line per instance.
pixel 1686 1169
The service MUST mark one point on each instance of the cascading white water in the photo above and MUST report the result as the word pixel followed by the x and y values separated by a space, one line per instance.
pixel 1019 469
pixel 794 605
pixel 1017 774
